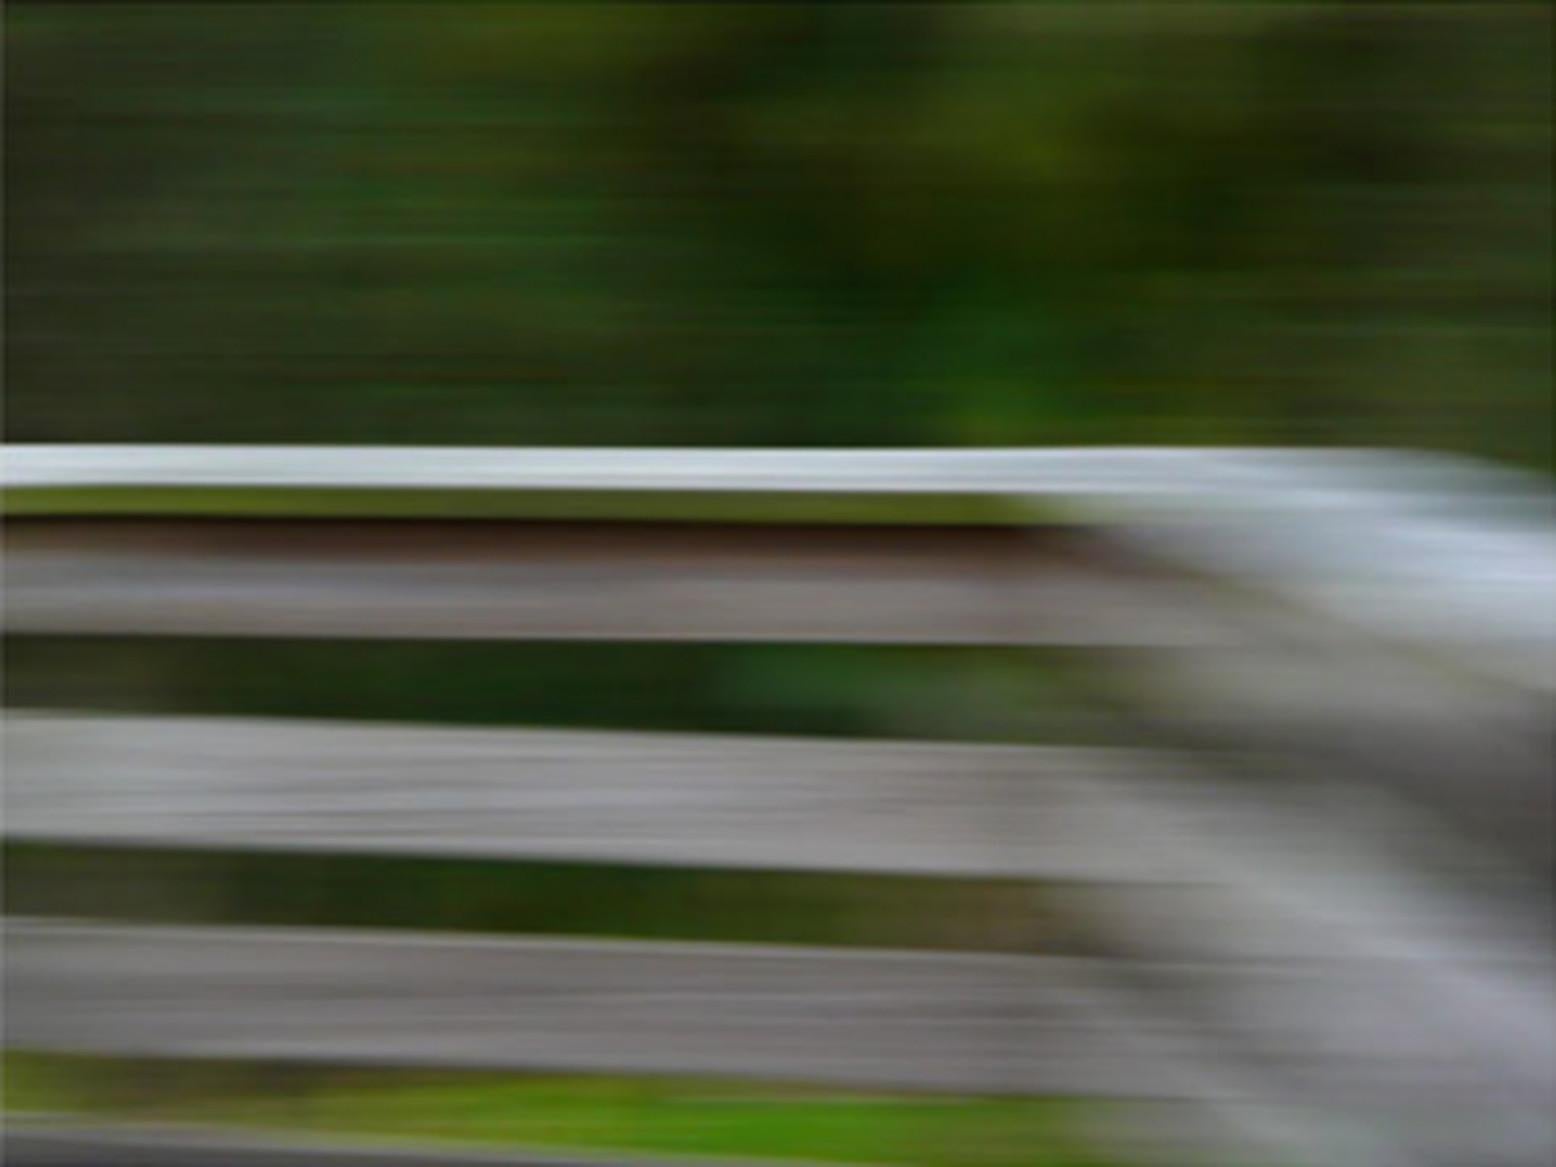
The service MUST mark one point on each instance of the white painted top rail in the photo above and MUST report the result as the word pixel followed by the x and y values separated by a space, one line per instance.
pixel 903 471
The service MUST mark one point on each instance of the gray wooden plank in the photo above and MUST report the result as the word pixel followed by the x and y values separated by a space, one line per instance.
pixel 946 1022
pixel 30 1143
pixel 1375 1066
pixel 512 582
pixel 723 801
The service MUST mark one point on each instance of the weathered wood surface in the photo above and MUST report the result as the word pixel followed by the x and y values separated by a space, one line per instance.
pixel 32 1143
pixel 1340 1037
pixel 492 580
pixel 961 1023
pixel 701 800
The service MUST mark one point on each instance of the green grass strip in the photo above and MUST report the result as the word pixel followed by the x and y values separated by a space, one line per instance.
pixel 632 1115
pixel 620 505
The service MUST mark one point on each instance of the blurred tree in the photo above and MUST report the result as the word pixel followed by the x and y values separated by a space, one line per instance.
pixel 782 224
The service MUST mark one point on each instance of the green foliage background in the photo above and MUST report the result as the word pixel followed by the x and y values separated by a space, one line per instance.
pixel 956 224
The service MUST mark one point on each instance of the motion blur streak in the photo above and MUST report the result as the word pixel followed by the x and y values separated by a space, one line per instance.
pixel 935 585
pixel 686 224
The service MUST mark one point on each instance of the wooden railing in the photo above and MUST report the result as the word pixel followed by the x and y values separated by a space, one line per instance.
pixel 1307 961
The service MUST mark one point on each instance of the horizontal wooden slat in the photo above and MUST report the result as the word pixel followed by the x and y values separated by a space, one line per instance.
pixel 1341 1037
pixel 581 581
pixel 899 471
pixel 961 1023
pixel 730 485
pixel 775 803
pixel 58 1144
